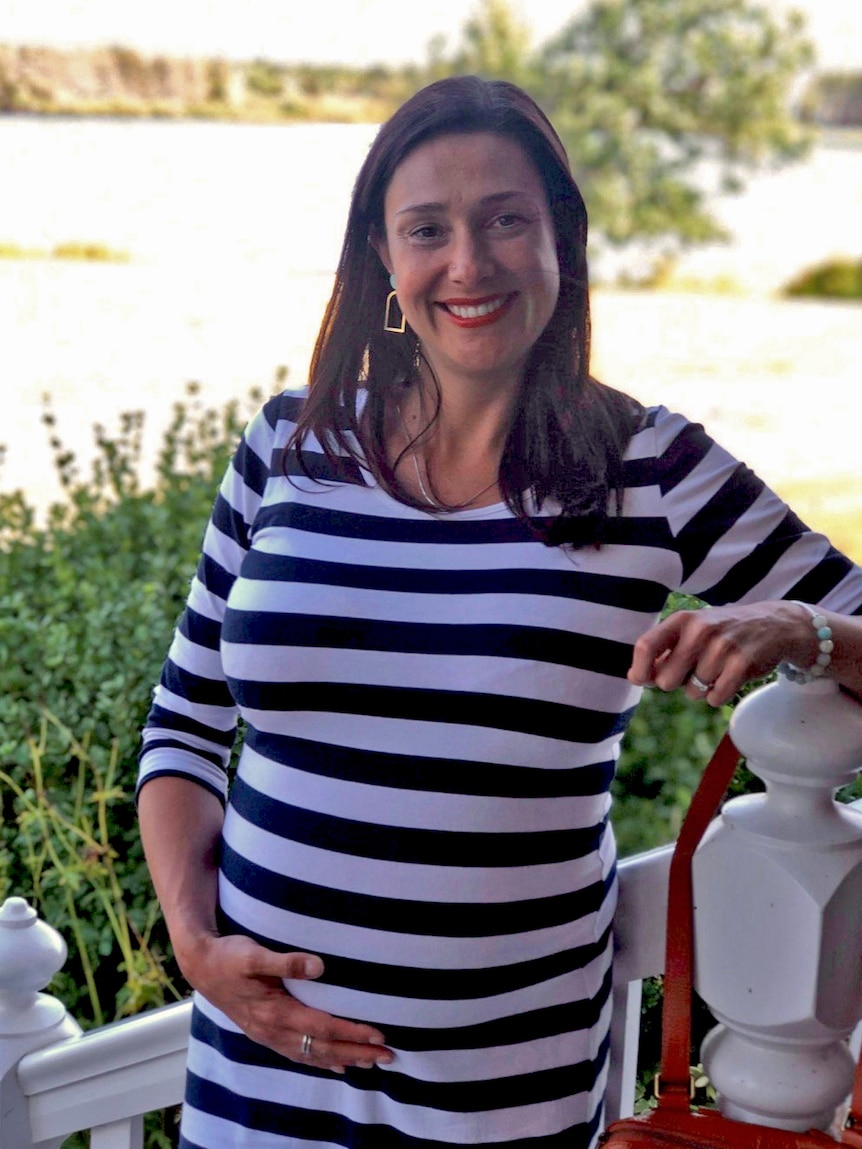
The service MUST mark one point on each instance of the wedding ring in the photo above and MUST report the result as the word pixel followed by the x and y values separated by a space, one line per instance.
pixel 305 1047
pixel 699 684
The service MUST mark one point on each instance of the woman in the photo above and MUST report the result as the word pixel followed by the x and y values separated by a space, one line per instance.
pixel 431 590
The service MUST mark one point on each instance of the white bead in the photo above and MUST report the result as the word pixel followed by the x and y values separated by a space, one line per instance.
pixel 825 646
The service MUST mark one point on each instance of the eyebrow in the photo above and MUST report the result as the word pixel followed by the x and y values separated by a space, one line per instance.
pixel 492 198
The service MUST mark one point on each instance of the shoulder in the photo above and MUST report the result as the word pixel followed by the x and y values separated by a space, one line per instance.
pixel 672 452
pixel 283 410
pixel 322 453
pixel 274 422
pixel 666 436
pixel 656 429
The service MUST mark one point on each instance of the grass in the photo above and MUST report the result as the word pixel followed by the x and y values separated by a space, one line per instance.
pixel 832 505
pixel 80 251
pixel 301 108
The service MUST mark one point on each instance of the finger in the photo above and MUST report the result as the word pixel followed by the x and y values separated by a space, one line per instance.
pixel 665 655
pixel 330 1030
pixel 729 680
pixel 337 1055
pixel 652 650
pixel 722 672
pixel 280 1022
pixel 698 687
pixel 701 650
pixel 268 963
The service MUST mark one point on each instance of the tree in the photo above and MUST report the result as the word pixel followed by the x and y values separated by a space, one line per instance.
pixel 496 44
pixel 642 91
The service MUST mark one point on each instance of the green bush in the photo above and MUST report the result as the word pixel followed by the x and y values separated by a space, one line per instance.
pixel 834 279
pixel 668 743
pixel 88 602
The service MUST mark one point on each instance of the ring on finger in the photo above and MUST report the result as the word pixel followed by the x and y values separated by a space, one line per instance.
pixel 305 1045
pixel 699 684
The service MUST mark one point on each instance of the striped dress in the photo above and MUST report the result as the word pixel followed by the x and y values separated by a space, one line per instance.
pixel 434 705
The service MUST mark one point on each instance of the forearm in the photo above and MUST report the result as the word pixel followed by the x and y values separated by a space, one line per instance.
pixel 181 826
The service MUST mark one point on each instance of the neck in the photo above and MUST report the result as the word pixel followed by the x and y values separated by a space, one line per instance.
pixel 473 417
pixel 451 461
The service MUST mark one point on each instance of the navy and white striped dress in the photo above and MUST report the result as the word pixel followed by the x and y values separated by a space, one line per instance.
pixel 434 705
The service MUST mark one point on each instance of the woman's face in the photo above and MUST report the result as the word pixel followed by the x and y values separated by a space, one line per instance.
pixel 470 238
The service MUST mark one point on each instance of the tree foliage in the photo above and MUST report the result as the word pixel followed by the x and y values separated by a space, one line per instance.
pixel 494 44
pixel 643 91
pixel 88 602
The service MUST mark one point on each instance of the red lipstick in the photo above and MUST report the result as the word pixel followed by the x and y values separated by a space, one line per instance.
pixel 490 307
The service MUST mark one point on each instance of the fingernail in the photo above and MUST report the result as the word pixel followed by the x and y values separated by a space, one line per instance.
pixel 378 1039
pixel 313 967
pixel 337 1069
pixel 364 1064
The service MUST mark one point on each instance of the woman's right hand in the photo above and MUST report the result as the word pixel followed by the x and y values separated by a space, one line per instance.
pixel 181 824
pixel 244 980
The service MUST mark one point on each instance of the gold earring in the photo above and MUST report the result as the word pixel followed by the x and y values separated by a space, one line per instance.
pixel 387 317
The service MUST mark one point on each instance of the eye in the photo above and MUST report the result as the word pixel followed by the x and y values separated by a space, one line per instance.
pixel 508 219
pixel 426 232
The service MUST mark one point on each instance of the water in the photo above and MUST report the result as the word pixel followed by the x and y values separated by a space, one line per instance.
pixel 790 218
pixel 234 231
pixel 181 191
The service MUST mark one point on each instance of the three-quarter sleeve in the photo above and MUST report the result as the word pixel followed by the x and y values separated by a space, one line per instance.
pixel 191 727
pixel 737 541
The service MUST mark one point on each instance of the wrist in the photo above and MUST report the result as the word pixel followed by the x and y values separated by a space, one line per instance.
pixel 191 944
pixel 822 634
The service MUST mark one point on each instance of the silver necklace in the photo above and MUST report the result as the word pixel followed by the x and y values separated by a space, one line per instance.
pixel 428 499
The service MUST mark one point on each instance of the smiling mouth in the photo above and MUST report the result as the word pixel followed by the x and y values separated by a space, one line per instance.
pixel 484 310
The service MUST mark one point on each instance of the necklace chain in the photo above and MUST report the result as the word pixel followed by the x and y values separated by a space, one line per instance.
pixel 428 499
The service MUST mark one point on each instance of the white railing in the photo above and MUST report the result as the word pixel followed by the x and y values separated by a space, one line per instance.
pixel 640 943
pixel 107 1079
pixel 55 1081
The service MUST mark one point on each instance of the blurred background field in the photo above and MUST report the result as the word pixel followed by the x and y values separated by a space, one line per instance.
pixel 219 242
pixel 775 381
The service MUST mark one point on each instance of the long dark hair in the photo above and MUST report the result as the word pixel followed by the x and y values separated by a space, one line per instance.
pixel 568 432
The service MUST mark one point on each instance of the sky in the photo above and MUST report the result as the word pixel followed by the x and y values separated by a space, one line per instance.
pixel 330 31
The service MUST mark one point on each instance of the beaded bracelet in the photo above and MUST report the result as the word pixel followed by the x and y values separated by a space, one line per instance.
pixel 824 656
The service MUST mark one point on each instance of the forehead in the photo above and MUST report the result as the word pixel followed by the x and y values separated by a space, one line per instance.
pixel 469 165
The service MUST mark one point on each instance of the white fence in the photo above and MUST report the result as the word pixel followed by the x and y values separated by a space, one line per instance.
pixel 799 850
pixel 107 1079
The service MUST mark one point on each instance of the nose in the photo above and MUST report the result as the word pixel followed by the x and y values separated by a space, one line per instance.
pixel 469 257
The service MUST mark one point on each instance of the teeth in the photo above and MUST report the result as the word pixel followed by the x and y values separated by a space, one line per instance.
pixel 476 312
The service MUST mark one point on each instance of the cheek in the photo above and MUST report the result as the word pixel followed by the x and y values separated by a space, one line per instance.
pixel 548 266
pixel 551 278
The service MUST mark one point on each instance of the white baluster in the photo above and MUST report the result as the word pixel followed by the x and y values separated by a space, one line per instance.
pixel 778 896
pixel 128 1134
pixel 31 952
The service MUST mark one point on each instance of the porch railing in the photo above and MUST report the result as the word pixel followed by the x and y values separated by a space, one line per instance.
pixel 799 852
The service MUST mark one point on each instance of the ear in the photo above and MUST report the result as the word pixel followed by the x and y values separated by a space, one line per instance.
pixel 380 244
